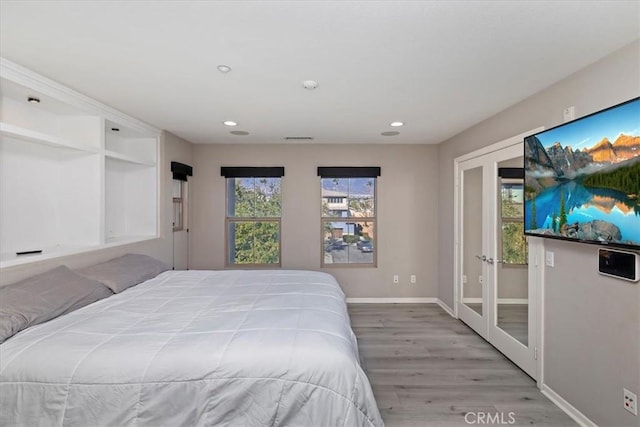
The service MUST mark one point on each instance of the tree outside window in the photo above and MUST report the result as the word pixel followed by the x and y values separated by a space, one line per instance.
pixel 514 243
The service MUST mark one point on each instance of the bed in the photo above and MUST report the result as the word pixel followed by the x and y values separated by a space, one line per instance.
pixel 230 348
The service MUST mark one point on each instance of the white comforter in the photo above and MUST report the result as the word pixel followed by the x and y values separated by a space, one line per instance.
pixel 233 348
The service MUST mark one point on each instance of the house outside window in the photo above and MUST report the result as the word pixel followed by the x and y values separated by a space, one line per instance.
pixel 253 220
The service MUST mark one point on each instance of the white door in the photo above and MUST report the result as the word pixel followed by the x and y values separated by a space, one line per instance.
pixel 495 274
pixel 180 225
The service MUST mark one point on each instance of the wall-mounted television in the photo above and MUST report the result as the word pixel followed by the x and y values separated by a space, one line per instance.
pixel 582 179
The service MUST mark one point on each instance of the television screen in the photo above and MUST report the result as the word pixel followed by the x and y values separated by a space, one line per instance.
pixel 582 179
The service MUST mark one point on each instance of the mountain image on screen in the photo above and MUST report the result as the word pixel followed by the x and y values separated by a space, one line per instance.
pixel 582 179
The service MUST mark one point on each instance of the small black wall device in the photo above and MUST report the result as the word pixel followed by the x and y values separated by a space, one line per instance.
pixel 621 264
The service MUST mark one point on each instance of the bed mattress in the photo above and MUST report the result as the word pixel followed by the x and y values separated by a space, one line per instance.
pixel 234 348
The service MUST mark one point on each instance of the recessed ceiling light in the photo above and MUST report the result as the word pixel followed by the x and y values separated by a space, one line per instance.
pixel 310 84
pixel 390 133
pixel 239 132
pixel 33 100
pixel 230 123
pixel 224 68
pixel 396 124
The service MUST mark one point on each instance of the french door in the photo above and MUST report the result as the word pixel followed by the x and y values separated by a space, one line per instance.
pixel 496 269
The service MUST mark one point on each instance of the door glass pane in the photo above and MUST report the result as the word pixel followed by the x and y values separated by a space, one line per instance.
pixel 512 270
pixel 472 239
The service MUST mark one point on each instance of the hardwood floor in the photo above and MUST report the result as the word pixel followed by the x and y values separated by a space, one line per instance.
pixel 428 369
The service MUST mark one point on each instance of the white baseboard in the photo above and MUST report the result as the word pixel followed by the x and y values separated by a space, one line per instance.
pixel 567 407
pixel 392 300
pixel 500 300
pixel 446 308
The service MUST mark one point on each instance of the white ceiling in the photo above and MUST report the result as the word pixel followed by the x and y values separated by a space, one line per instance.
pixel 439 66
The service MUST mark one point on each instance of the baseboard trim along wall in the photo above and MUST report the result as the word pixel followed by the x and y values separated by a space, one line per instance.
pixel 414 300
pixel 567 407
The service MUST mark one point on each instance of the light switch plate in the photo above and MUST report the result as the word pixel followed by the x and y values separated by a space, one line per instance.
pixel 549 259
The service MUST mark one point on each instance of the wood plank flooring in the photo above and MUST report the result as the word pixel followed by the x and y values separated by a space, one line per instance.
pixel 428 369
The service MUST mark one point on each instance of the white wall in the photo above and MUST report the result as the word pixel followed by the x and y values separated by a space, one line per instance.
pixel 172 148
pixel 592 323
pixel 407 213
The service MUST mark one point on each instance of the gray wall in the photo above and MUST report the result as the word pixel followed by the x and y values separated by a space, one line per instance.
pixel 407 211
pixel 592 323
pixel 172 148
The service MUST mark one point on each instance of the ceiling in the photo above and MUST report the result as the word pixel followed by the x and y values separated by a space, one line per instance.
pixel 438 66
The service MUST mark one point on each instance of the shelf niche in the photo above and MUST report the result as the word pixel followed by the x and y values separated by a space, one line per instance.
pixel 70 182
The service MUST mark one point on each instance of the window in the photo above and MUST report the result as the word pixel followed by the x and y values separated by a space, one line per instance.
pixel 348 223
pixel 253 216
pixel 180 172
pixel 514 244
pixel 178 205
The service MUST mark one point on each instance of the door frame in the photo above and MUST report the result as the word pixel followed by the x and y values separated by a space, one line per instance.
pixel 536 272
pixel 473 319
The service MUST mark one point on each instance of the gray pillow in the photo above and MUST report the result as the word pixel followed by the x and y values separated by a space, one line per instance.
pixel 44 297
pixel 128 270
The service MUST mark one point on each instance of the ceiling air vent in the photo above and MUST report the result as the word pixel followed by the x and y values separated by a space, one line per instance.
pixel 298 138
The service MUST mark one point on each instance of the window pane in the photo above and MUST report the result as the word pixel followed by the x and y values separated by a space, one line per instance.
pixel 177 214
pixel 512 201
pixel 361 197
pixel 335 197
pixel 253 197
pixel 267 197
pixel 514 244
pixel 345 197
pixel 254 242
pixel 177 188
pixel 348 242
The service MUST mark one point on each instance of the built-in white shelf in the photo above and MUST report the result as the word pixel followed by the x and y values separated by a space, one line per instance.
pixel 52 252
pixel 128 159
pixel 16 132
pixel 121 240
pixel 75 175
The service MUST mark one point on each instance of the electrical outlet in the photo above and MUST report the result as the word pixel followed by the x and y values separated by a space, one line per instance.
pixel 464 278
pixel 396 279
pixel 630 402
pixel 413 278
pixel 480 279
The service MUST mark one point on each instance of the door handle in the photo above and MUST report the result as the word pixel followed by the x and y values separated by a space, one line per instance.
pixel 490 261
pixel 481 258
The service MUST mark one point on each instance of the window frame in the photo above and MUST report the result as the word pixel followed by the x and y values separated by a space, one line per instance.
pixel 254 219
pixel 350 219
